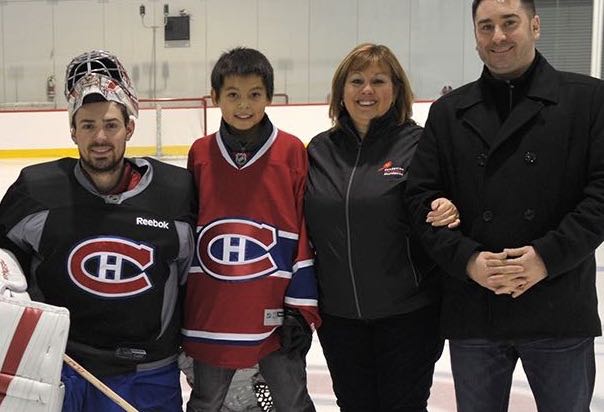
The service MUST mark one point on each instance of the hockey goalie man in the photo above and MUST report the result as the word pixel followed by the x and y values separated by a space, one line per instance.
pixel 110 238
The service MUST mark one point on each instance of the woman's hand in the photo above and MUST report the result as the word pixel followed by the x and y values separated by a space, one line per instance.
pixel 443 213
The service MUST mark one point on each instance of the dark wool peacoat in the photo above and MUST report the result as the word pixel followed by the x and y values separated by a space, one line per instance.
pixel 535 179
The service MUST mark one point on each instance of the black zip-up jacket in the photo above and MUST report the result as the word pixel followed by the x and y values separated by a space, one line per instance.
pixel 355 209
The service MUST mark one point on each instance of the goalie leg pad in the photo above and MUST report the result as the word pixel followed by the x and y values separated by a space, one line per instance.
pixel 32 343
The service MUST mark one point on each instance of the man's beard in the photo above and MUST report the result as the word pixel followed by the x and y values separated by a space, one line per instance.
pixel 104 165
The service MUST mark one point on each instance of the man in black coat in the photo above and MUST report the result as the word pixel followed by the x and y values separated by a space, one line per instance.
pixel 520 152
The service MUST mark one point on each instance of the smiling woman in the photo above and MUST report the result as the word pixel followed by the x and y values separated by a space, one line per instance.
pixel 378 298
pixel 368 93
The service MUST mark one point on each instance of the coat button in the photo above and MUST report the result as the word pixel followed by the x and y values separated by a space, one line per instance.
pixel 530 157
pixel 481 159
pixel 487 215
pixel 529 214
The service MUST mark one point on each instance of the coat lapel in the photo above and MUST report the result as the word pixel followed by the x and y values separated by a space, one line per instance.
pixel 523 113
pixel 544 89
pixel 475 113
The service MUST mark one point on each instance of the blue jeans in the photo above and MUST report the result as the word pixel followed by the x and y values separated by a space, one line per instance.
pixel 285 377
pixel 560 372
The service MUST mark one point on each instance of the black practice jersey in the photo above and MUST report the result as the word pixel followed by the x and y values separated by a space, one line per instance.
pixel 115 261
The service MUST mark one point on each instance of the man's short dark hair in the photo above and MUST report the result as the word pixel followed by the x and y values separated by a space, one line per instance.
pixel 529 5
pixel 242 61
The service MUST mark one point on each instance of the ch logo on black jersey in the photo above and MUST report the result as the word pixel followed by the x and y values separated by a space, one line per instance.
pixel 110 267
pixel 237 249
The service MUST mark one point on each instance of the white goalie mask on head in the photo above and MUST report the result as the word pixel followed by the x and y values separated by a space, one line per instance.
pixel 98 72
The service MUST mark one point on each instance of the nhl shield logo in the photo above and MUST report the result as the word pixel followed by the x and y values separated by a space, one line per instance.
pixel 240 158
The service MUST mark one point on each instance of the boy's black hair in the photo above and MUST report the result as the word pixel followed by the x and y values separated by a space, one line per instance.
pixel 529 5
pixel 242 61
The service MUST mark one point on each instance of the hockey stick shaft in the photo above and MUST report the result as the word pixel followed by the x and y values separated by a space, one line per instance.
pixel 99 385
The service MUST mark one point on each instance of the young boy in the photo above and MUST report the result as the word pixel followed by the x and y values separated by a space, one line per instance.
pixel 251 292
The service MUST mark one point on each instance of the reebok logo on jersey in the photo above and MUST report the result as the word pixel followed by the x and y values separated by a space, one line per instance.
pixel 153 223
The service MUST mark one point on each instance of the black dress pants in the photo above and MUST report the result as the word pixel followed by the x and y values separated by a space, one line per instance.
pixel 383 365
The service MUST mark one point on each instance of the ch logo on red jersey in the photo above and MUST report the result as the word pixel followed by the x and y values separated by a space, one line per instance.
pixel 236 249
pixel 110 267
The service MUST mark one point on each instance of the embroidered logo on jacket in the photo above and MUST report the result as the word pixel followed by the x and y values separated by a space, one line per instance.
pixel 110 267
pixel 389 169
pixel 237 249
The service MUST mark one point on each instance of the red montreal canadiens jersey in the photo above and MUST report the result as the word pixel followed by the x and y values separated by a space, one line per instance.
pixel 252 252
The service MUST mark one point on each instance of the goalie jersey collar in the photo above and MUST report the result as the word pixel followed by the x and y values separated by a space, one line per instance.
pixel 141 164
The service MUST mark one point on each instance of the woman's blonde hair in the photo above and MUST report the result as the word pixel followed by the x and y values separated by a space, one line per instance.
pixel 360 58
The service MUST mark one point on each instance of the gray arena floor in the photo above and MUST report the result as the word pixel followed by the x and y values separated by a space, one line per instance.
pixel 442 399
